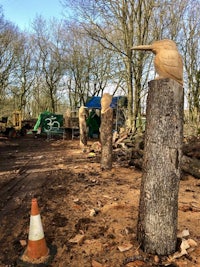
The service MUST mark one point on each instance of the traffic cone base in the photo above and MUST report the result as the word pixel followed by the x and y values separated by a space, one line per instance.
pixel 42 259
pixel 24 261
pixel 36 250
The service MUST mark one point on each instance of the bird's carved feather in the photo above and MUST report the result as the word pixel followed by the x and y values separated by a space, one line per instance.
pixel 168 64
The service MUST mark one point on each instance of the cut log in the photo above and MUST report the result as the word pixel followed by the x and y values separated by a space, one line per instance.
pixel 118 141
pixel 191 166
pixel 192 148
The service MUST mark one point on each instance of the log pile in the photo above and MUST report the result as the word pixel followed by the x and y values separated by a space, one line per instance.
pixel 129 148
pixel 191 156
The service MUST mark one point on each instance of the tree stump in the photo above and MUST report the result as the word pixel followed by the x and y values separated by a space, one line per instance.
pixel 158 208
pixel 106 135
pixel 82 127
pixel 106 139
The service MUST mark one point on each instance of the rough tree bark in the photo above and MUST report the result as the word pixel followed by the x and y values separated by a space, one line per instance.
pixel 158 208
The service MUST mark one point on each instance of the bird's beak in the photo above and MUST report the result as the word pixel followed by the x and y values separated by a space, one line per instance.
pixel 142 47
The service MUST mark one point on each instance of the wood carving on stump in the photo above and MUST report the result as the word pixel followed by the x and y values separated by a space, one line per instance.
pixel 168 62
pixel 106 132
pixel 83 126
pixel 158 208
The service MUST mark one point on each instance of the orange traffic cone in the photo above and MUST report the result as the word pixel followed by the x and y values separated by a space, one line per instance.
pixel 37 250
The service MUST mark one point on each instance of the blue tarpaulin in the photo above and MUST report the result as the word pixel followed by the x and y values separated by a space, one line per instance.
pixel 95 102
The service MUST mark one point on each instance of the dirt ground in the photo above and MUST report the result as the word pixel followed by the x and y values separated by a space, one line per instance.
pixel 76 198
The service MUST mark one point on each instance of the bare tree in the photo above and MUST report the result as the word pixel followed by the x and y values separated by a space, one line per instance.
pixel 88 66
pixel 24 74
pixel 8 41
pixel 49 40
pixel 190 46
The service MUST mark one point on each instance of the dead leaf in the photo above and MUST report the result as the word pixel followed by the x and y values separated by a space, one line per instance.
pixel 96 264
pixel 177 254
pixel 185 233
pixel 23 243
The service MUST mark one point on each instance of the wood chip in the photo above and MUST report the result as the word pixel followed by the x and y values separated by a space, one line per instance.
pixel 192 243
pixel 78 239
pixel 125 247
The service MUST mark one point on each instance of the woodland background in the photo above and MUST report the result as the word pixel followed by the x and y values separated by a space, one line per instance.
pixel 58 64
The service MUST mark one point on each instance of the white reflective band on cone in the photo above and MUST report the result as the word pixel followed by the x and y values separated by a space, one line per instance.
pixel 36 230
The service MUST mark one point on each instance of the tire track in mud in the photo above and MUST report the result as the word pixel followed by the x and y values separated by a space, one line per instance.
pixel 15 212
pixel 16 191
pixel 31 172
pixel 7 186
pixel 8 191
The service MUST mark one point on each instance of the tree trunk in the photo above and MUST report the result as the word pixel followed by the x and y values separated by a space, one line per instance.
pixel 130 119
pixel 106 139
pixel 158 209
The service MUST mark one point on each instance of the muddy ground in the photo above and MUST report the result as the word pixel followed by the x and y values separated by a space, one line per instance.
pixel 76 198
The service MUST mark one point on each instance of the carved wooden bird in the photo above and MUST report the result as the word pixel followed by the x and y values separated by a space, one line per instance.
pixel 168 62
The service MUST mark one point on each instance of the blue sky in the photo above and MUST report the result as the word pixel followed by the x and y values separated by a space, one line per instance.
pixel 22 12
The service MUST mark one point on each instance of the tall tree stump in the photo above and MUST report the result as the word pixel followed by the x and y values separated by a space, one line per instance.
pixel 106 132
pixel 83 126
pixel 158 208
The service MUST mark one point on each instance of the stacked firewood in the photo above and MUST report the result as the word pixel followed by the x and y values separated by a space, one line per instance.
pixel 191 156
pixel 129 147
